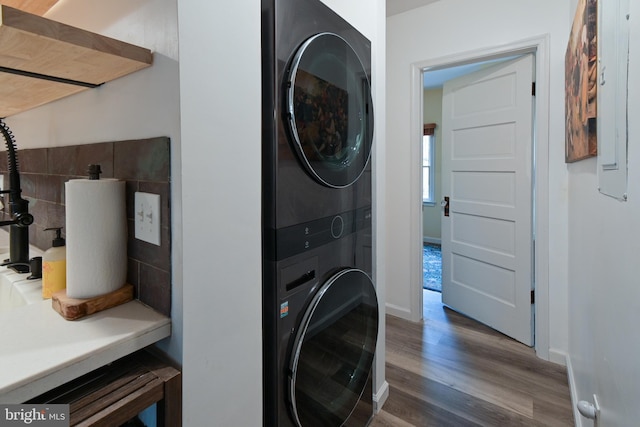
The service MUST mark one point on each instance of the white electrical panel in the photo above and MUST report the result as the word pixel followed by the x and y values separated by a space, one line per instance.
pixel 613 59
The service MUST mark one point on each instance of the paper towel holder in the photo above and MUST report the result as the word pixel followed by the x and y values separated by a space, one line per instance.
pixel 94 172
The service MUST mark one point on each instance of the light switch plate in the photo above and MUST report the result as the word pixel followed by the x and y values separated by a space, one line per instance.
pixel 147 217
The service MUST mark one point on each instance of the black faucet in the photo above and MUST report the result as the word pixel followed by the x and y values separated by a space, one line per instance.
pixel 21 219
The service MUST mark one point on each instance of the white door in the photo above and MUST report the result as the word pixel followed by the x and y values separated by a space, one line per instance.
pixel 487 255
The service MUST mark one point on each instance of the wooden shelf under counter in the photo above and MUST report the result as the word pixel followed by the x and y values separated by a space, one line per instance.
pixel 116 393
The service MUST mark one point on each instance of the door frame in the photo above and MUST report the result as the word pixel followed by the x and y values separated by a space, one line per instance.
pixel 539 47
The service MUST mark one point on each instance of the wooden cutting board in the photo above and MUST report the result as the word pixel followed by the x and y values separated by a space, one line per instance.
pixel 74 308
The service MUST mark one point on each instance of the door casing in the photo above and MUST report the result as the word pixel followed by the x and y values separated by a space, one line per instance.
pixel 539 47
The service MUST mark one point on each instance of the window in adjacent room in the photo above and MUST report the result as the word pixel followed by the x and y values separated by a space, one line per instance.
pixel 428 166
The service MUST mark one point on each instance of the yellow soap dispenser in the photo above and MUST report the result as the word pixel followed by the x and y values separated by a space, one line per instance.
pixel 54 266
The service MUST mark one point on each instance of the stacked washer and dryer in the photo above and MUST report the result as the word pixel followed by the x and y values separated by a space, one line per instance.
pixel 320 311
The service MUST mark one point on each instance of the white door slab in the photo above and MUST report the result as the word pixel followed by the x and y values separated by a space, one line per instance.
pixel 487 239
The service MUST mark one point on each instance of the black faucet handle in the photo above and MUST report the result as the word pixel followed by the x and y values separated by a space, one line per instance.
pixel 35 265
pixel 23 219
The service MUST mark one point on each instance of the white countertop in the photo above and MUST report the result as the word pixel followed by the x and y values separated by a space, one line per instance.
pixel 40 350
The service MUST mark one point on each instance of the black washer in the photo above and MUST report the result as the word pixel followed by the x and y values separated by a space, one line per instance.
pixel 333 350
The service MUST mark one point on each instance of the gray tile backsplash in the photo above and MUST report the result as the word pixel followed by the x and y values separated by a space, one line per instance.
pixel 144 164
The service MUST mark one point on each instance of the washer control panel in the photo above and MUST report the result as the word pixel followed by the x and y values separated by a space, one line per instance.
pixel 303 237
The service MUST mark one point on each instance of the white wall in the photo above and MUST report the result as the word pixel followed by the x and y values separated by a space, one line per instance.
pixel 456 27
pixel 221 145
pixel 604 289
pixel 141 105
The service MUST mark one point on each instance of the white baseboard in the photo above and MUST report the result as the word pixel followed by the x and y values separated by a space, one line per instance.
pixel 573 391
pixel 380 397
pixel 397 311
pixel 557 356
pixel 434 240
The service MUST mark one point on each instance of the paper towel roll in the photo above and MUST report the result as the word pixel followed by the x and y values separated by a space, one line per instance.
pixel 96 234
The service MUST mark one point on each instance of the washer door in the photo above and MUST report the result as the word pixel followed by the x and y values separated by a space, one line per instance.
pixel 333 350
pixel 329 110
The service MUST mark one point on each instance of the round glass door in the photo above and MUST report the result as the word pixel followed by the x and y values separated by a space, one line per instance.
pixel 333 351
pixel 329 110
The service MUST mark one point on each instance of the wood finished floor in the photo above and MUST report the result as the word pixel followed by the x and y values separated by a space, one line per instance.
pixel 452 371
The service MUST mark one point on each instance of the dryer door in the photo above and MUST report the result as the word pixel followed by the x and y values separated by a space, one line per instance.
pixel 333 350
pixel 329 110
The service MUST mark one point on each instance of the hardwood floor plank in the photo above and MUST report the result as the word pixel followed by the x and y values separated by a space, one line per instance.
pixel 456 378
pixel 552 413
pixel 449 370
pixel 420 413
pixel 503 369
pixel 385 419
pixel 470 408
